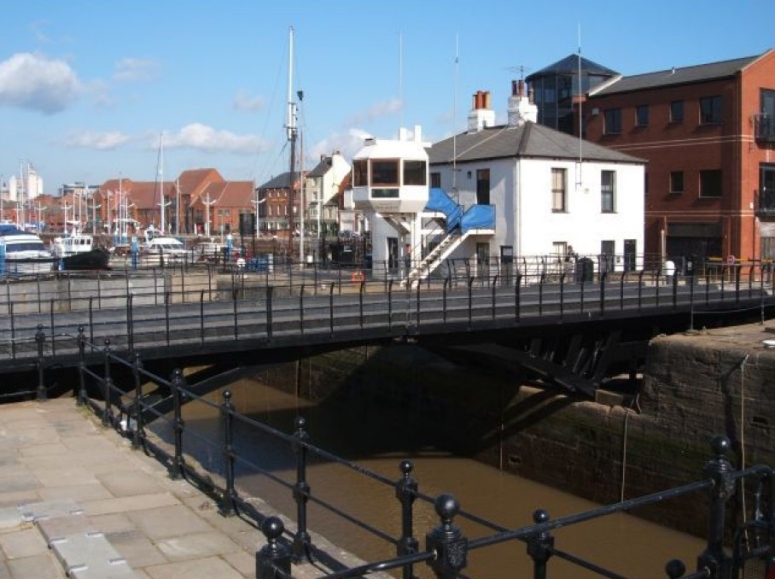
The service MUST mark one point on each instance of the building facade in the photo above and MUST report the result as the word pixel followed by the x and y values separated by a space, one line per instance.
pixel 708 133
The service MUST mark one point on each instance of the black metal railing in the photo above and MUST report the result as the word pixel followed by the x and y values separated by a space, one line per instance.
pixel 129 410
pixel 764 127
pixel 365 310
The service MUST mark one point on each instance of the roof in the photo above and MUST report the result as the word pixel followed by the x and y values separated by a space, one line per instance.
pixel 675 76
pixel 570 65
pixel 529 141
pixel 281 181
pixel 323 167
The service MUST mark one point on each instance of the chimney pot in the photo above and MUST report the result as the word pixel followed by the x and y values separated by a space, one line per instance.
pixel 521 87
pixel 513 88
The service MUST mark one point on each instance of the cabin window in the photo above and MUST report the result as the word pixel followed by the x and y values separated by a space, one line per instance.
pixel 559 191
pixel 607 191
pixel 436 180
pixel 414 173
pixel 384 172
pixel 360 173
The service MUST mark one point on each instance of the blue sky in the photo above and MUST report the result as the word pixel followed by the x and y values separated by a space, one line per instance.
pixel 87 87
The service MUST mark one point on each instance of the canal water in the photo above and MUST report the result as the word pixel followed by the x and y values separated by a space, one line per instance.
pixel 376 439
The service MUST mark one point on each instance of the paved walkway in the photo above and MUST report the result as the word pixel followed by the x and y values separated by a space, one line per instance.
pixel 77 501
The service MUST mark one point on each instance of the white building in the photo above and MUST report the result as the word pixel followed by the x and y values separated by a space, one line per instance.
pixel 25 187
pixel 552 193
pixel 521 193
pixel 322 185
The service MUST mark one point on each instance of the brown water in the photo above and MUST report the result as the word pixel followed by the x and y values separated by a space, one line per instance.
pixel 621 543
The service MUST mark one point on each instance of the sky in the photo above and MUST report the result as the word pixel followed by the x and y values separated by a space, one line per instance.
pixel 92 90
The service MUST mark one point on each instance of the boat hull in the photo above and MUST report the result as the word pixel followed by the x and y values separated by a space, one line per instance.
pixel 88 260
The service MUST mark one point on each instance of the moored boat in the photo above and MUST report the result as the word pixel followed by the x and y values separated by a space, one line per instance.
pixel 77 252
pixel 22 252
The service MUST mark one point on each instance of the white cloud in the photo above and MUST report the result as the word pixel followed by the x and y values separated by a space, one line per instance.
pixel 99 141
pixel 376 111
pixel 204 138
pixel 134 69
pixel 244 102
pixel 347 144
pixel 37 83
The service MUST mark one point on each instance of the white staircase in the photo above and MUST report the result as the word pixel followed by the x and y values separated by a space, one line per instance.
pixel 435 258
pixel 402 226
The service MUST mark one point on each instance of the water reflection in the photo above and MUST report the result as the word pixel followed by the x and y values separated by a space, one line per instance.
pixel 621 543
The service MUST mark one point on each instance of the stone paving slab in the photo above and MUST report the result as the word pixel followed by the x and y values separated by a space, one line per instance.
pixel 76 498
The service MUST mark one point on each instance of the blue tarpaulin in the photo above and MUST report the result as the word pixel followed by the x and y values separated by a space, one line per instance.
pixel 438 200
pixel 478 217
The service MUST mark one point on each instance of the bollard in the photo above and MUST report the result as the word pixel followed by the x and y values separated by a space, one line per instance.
pixel 714 559
pixel 40 339
pixel 447 541
pixel 273 560
pixel 406 493
pixel 302 540
pixel 540 546
pixel 81 341
pixel 176 469
pixel 228 506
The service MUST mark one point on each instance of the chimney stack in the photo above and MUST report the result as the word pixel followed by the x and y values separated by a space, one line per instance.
pixel 481 115
pixel 521 108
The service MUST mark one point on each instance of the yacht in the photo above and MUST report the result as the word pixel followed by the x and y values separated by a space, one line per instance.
pixel 22 252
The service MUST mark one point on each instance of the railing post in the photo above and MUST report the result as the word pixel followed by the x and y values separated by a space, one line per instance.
pixel 202 317
pixel 737 272
pixel 301 540
pixel 167 316
pixel 446 541
pixel 228 508
pixel 273 560
pixel 107 386
pixel 40 340
pixel 269 293
pixel 176 469
pixel 138 433
pixel 301 310
pixel 406 493
pixel 81 341
pixel 603 278
pixel 130 324
pixel 562 294
pixel 675 291
pixel 494 285
pixel 390 304
pixel 331 309
pixel 444 289
pixel 470 301
pixel 517 296
pixel 540 546
pixel 236 319
pixel 714 559
pixel 360 303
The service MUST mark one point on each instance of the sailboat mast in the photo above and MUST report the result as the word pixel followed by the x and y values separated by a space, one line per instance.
pixel 291 130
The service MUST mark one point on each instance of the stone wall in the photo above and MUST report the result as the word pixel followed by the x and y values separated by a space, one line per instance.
pixel 692 390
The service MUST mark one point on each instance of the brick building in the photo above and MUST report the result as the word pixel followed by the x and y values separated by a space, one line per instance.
pixel 707 132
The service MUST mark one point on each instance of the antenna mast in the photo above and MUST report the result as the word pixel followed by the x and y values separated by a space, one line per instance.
pixel 454 129
pixel 579 100
pixel 291 132
pixel 401 76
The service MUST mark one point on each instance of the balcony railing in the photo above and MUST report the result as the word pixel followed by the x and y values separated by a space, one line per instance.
pixel 764 127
